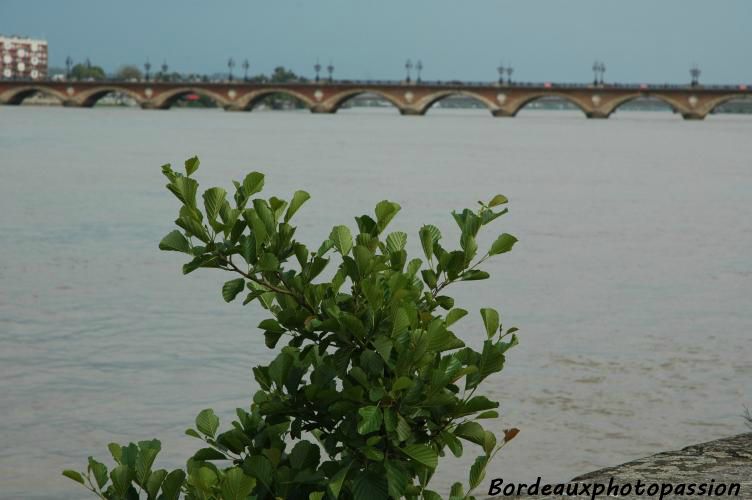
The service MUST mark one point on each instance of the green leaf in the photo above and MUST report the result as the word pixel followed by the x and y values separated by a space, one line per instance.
pixel 261 468
pixel 423 454
pixel 455 315
pixel 503 244
pixel 490 320
pixel 191 165
pixel 184 189
pixel 396 241
pixel 121 477
pixel 116 451
pixel 253 183
pixel 193 227
pixel 207 422
pixel 474 274
pixel 342 239
pixel 175 242
pixel 478 471
pixel 457 492
pixel 268 262
pixel 208 454
pixel 232 288
pixel 337 480
pixel 454 444
pixel 298 199
pixel 370 486
pixel 280 367
pixel 144 461
pixel 429 235
pixel 156 478
pixel 236 485
pixel 396 476
pixel 305 455
pixel 76 476
pixel 370 419
pixel 214 198
pixel 471 431
pixel 497 200
pixel 99 470
pixel 172 484
pixel 385 212
pixel 487 414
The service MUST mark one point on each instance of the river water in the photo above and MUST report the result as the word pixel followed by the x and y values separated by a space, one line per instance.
pixel 631 284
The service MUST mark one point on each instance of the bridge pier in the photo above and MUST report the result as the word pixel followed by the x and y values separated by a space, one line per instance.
pixel 502 113
pixel 693 116
pixel 323 109
pixel 70 103
pixel 233 107
pixel 597 115
pixel 411 112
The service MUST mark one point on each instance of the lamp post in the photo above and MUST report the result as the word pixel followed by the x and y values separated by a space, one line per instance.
pixel 408 67
pixel 230 65
pixel 246 65
pixel 68 67
pixel 596 68
pixel 603 71
pixel 330 70
pixel 695 74
pixel 501 70
pixel 317 69
pixel 147 67
pixel 164 70
pixel 418 69
pixel 510 70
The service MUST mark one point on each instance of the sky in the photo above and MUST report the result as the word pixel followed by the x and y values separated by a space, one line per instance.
pixel 650 41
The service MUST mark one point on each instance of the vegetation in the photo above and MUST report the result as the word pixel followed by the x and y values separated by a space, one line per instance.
pixel 87 71
pixel 370 388
pixel 748 417
pixel 128 72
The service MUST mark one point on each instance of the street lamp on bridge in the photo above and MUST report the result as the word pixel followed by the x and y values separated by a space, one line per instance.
pixel 147 67
pixel 501 70
pixel 164 70
pixel 599 68
pixel 330 70
pixel 510 70
pixel 408 67
pixel 68 67
pixel 317 69
pixel 418 69
pixel 246 65
pixel 695 72
pixel 230 65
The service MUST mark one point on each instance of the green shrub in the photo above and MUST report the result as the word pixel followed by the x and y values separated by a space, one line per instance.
pixel 371 386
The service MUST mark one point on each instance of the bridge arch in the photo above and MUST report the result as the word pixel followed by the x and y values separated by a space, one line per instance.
pixel 620 101
pixel 166 99
pixel 17 96
pixel 89 98
pixel 516 106
pixel 336 101
pixel 713 105
pixel 425 103
pixel 249 101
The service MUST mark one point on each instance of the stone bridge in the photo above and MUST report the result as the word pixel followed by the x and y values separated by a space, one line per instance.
pixel 595 101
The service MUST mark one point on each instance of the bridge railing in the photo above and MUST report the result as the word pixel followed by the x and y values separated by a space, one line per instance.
pixel 414 83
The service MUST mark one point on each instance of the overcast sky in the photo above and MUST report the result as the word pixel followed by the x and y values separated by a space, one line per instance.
pixel 552 40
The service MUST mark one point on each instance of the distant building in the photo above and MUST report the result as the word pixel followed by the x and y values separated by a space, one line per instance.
pixel 23 58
